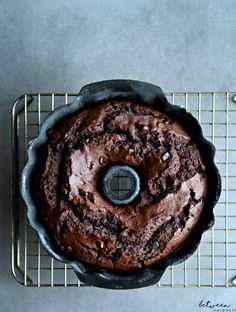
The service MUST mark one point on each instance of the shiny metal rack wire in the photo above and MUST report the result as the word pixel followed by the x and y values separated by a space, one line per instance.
pixel 212 265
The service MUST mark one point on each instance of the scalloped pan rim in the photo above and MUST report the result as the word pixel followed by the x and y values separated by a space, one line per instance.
pixel 93 94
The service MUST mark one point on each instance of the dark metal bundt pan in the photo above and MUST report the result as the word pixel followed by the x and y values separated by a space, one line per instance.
pixel 146 93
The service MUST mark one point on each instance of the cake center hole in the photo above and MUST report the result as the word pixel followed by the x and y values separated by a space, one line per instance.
pixel 121 184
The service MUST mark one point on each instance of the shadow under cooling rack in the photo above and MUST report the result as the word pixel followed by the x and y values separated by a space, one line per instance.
pixel 212 265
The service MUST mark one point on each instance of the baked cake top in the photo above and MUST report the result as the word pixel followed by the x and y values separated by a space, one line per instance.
pixel 77 215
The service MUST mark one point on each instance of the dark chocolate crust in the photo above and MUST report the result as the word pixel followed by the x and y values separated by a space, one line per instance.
pixel 79 219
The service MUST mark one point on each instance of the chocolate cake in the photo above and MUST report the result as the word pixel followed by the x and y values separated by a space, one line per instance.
pixel 78 217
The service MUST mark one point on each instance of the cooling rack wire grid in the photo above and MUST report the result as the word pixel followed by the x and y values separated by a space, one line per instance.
pixel 212 265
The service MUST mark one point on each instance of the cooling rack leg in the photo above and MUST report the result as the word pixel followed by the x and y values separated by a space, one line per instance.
pixel 20 276
pixel 18 273
pixel 233 281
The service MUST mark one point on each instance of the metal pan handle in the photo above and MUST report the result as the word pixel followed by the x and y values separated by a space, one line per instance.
pixel 120 88
pixel 144 277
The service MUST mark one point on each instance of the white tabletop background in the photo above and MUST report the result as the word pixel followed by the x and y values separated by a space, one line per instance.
pixel 58 46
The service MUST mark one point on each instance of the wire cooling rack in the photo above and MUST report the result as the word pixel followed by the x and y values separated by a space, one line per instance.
pixel 212 265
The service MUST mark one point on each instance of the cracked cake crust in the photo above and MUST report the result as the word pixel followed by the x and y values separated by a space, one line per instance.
pixel 79 219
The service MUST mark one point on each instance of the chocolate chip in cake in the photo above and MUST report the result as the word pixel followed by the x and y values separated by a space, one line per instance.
pixel 165 156
pixel 140 264
pixel 69 249
pixel 100 244
pixel 192 193
pixel 178 146
pixel 102 160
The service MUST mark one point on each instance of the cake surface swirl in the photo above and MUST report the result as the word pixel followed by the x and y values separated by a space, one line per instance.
pixel 78 217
